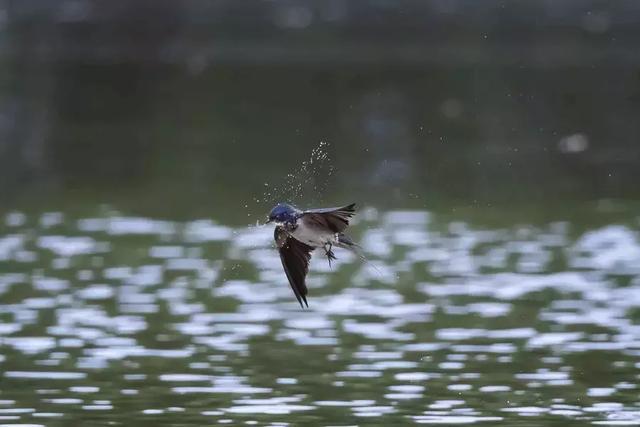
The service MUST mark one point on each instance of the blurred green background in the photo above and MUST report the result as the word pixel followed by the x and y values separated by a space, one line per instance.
pixel 187 108
pixel 492 147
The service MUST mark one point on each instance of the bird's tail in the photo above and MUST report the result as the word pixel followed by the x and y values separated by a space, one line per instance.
pixel 345 242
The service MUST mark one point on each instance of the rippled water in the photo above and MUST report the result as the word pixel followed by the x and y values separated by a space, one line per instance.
pixel 119 320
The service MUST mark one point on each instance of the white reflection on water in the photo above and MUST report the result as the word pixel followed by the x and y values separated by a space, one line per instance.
pixel 46 375
pixel 445 324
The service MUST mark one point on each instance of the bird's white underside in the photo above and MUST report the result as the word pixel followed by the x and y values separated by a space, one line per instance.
pixel 312 237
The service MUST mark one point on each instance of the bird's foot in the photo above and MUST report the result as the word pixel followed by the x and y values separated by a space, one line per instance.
pixel 329 253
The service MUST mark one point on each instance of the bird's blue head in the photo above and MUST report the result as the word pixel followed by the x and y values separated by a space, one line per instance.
pixel 282 213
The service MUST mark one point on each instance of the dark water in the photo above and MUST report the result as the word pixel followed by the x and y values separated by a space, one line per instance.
pixel 112 319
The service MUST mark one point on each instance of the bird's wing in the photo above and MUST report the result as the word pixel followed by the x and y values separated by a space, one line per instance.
pixel 336 219
pixel 295 257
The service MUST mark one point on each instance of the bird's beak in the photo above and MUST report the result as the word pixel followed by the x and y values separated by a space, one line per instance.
pixel 269 221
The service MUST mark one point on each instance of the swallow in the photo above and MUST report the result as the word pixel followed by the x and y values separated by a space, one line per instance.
pixel 298 233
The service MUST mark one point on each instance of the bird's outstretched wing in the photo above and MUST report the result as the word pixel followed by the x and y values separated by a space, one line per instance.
pixel 295 257
pixel 335 219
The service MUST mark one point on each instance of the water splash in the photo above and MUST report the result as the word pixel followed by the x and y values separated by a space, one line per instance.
pixel 306 184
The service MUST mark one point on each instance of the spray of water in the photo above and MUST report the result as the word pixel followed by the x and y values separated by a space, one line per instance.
pixel 305 185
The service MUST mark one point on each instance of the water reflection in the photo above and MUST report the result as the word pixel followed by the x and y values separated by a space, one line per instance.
pixel 193 322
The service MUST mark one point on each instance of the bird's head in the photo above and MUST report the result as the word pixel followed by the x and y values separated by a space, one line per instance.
pixel 282 213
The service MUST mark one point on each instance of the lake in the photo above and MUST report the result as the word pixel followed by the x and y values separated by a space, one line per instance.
pixel 492 148
pixel 114 319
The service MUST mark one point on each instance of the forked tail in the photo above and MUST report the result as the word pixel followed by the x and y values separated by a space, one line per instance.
pixel 345 242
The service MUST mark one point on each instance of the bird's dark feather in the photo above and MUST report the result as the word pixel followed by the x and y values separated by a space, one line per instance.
pixel 335 219
pixel 295 257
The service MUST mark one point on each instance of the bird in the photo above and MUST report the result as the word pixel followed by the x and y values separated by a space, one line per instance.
pixel 298 233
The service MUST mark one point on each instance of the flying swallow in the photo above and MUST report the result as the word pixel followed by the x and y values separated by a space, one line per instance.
pixel 298 233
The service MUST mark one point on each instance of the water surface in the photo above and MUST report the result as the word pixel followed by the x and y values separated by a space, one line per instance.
pixel 114 320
